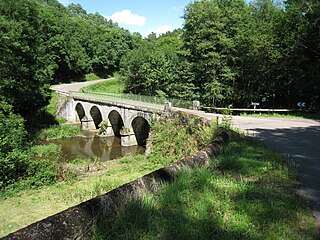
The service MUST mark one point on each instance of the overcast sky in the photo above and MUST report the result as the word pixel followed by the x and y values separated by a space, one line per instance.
pixel 144 16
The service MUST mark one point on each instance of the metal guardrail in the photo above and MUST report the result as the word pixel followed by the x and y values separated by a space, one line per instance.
pixel 250 110
pixel 141 100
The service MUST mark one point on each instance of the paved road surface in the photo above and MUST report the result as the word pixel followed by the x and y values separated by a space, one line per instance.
pixel 75 86
pixel 298 139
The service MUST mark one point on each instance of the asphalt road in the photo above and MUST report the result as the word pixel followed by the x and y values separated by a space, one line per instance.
pixel 297 139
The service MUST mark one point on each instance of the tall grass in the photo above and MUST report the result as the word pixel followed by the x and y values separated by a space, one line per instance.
pixel 111 86
pixel 247 193
pixel 91 77
pixel 59 131
pixel 178 136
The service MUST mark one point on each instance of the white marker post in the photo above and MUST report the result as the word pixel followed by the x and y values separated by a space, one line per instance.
pixel 255 104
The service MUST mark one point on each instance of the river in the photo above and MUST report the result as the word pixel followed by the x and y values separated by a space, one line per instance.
pixel 95 147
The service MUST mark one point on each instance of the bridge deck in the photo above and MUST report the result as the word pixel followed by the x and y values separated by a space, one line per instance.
pixel 118 101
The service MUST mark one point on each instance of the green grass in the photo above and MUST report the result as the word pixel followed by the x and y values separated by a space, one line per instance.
pixel 91 77
pixel 247 193
pixel 111 86
pixel 284 115
pixel 30 205
pixel 59 131
pixel 84 78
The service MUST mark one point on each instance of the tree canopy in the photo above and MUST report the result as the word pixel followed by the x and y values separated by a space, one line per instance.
pixel 43 42
pixel 234 52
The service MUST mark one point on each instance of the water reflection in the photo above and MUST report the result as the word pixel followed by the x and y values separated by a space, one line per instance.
pixel 95 147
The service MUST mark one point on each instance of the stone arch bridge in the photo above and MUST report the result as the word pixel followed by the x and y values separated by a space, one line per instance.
pixel 128 120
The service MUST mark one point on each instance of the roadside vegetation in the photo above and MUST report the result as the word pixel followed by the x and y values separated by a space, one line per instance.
pixel 246 193
pixel 115 85
pixel 91 77
pixel 52 179
pixel 284 115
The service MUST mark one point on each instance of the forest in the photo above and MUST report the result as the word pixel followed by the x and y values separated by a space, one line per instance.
pixel 234 53
pixel 228 52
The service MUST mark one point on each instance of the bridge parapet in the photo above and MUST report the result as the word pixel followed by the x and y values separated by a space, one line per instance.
pixel 140 100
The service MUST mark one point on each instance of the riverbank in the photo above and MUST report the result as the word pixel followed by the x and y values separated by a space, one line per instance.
pixel 25 206
pixel 31 205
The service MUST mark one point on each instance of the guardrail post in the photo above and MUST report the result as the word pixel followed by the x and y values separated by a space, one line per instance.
pixel 167 106
pixel 195 105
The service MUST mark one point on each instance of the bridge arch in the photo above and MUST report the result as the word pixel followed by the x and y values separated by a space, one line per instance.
pixel 141 129
pixel 116 122
pixel 80 111
pixel 96 116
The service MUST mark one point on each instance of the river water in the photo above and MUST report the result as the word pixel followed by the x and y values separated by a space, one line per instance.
pixel 93 147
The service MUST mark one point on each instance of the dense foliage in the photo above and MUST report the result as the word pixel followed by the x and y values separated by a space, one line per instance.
pixel 157 66
pixel 12 135
pixel 188 132
pixel 43 43
pixel 234 52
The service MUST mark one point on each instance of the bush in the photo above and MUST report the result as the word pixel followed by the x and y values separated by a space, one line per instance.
pixel 12 132
pixel 59 131
pixel 44 164
pixel 39 166
pixel 13 158
pixel 13 167
pixel 187 132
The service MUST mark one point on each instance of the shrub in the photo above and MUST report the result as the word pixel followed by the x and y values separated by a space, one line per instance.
pixel 179 135
pixel 13 167
pixel 44 164
pixel 59 131
pixel 12 137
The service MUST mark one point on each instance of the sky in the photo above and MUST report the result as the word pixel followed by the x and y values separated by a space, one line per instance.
pixel 143 16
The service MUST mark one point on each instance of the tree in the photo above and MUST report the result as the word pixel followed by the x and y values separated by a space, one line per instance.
pixel 209 29
pixel 109 46
pixel 158 67
pixel 300 31
pixel 12 136
pixel 259 56
pixel 23 74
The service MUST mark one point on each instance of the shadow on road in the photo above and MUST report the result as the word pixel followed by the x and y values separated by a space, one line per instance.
pixel 302 146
